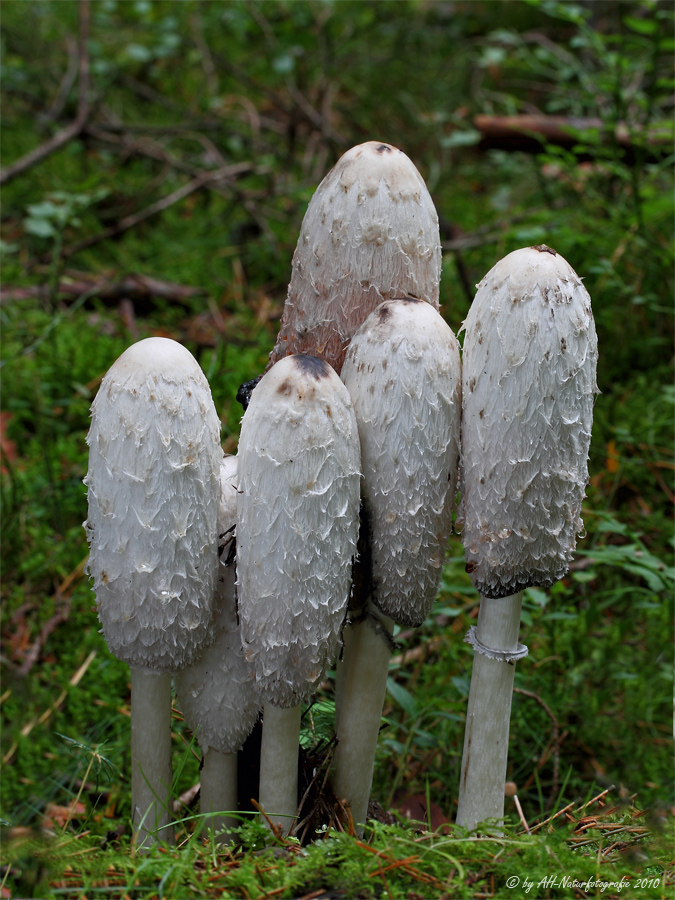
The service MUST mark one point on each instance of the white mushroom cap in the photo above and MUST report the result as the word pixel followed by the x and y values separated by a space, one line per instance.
pixel 403 373
pixel 297 525
pixel 370 233
pixel 529 362
pixel 154 459
pixel 216 694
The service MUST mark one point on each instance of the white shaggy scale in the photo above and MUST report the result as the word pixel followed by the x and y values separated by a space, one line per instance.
pixel 153 488
pixel 370 233
pixel 403 373
pixel 529 383
pixel 297 524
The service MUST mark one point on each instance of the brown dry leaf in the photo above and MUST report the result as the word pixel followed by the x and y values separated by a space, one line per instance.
pixel 414 807
pixel 59 816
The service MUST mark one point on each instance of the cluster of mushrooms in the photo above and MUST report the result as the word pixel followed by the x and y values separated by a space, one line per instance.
pixel 245 578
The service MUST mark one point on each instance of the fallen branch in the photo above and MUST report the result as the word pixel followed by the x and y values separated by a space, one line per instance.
pixel 530 133
pixel 70 131
pixel 132 287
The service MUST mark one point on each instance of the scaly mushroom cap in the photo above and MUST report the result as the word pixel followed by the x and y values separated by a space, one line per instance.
pixel 297 525
pixel 529 362
pixel 403 373
pixel 216 694
pixel 154 459
pixel 370 233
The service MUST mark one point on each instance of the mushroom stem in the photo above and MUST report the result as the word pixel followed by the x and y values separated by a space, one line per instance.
pixel 218 792
pixel 486 739
pixel 360 690
pixel 279 764
pixel 151 755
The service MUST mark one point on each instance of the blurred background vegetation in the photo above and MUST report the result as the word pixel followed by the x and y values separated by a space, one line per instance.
pixel 176 148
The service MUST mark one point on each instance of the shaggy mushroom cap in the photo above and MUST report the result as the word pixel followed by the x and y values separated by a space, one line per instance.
pixel 403 373
pixel 216 694
pixel 297 525
pixel 153 489
pixel 529 362
pixel 370 233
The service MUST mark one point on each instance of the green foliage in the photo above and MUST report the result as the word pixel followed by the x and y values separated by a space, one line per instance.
pixel 397 860
pixel 279 90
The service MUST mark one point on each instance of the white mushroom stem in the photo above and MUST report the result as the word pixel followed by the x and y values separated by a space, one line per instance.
pixel 486 739
pixel 279 764
pixel 361 688
pixel 218 790
pixel 151 755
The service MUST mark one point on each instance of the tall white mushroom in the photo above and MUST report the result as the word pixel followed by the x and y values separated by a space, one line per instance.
pixel 216 693
pixel 403 373
pixel 370 233
pixel 529 364
pixel 153 488
pixel 297 527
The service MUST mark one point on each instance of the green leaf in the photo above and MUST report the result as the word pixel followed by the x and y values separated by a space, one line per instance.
pixel 403 697
pixel 461 139
pixel 39 227
pixel 642 26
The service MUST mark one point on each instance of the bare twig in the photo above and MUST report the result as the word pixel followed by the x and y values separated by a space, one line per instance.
pixel 149 93
pixel 33 652
pixel 555 738
pixel 551 818
pixel 159 206
pixel 599 796
pixel 519 808
pixel 63 598
pixel 67 82
pixel 210 72
pixel 314 116
pixel 66 134
pixel 152 149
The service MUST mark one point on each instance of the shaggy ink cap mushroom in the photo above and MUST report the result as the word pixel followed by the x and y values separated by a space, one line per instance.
pixel 529 362
pixel 153 488
pixel 216 693
pixel 370 233
pixel 297 525
pixel 403 373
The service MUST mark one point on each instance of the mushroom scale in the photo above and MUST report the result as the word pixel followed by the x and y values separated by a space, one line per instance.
pixel 529 363
pixel 370 233
pixel 153 493
pixel 297 525
pixel 216 693
pixel 403 373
